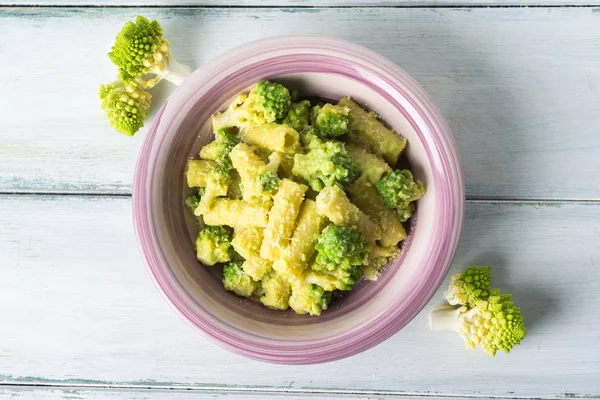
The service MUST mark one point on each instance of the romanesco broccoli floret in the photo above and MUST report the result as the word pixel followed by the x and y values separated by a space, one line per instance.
pixel 339 246
pixel 397 189
pixel 276 291
pixel 309 299
pixel 125 106
pixel 213 245
pixel 269 181
pixel 473 284
pixel 331 121
pixel 193 199
pixel 237 281
pixel 494 323
pixel 297 116
pixel 342 278
pixel 140 49
pixel 267 102
pixel 405 212
pixel 326 164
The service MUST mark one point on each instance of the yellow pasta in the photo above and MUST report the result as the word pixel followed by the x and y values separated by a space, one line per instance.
pixel 366 197
pixel 282 217
pixel 257 267
pixel 197 172
pixel 235 213
pixel 333 203
pixel 370 133
pixel 372 166
pixel 246 241
pixel 297 255
pixel 211 151
pixel 249 166
pixel 274 137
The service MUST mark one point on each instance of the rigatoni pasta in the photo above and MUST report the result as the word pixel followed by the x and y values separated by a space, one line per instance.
pixel 295 200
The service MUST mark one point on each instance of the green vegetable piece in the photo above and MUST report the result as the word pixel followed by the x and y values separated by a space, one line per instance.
pixel 276 291
pixel 140 49
pixel 466 288
pixel 125 106
pixel 397 189
pixel 237 281
pixel 213 245
pixel 193 200
pixel 331 121
pixel 269 181
pixel 326 164
pixel 309 299
pixel 271 99
pixel 297 116
pixel 494 323
pixel 339 246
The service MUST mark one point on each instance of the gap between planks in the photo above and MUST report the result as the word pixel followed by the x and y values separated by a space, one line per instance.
pixel 296 6
pixel 266 391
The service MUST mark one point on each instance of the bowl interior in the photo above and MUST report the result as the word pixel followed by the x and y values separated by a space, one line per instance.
pixel 347 309
pixel 373 310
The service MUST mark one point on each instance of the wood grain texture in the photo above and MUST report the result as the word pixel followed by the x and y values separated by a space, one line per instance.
pixel 87 393
pixel 78 308
pixel 521 96
pixel 302 3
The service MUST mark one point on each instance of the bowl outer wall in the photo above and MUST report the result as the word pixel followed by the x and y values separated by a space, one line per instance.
pixel 399 88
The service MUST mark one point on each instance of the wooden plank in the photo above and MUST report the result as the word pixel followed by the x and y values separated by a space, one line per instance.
pixel 520 95
pixel 79 308
pixel 302 3
pixel 87 393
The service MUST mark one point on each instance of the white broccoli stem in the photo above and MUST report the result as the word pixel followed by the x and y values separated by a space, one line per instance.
pixel 175 72
pixel 445 318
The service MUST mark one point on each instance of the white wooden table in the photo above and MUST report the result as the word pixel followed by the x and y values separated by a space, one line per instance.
pixel 520 87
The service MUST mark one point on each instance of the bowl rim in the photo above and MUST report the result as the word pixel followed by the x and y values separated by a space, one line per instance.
pixel 400 83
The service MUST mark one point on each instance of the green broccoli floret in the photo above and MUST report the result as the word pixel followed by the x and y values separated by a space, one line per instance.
pixel 397 189
pixel 213 245
pixel 297 116
pixel 237 281
pixel 405 212
pixel 267 102
pixel 140 49
pixel 494 323
pixel 276 291
pixel 309 299
pixel 331 121
pixel 125 106
pixel 339 246
pixel 193 200
pixel 269 181
pixel 473 284
pixel 326 164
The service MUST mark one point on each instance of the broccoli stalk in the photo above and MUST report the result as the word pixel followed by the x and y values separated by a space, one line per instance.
pixel 494 323
pixel 326 164
pixel 140 49
pixel 125 106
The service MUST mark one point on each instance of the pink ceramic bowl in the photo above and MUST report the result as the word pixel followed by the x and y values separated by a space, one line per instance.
pixel 370 313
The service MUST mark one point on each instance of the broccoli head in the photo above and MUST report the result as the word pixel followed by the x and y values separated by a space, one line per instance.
pixel 140 49
pixel 331 121
pixel 269 181
pixel 471 285
pixel 309 299
pixel 405 212
pixel 326 164
pixel 494 323
pixel 342 278
pixel 339 246
pixel 237 281
pixel 213 245
pixel 297 116
pixel 276 291
pixel 397 189
pixel 267 102
pixel 125 106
